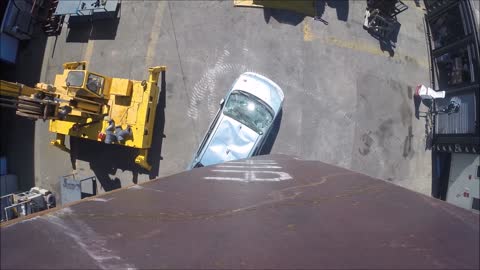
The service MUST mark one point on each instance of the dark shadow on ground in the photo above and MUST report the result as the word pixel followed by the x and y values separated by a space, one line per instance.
pixel 320 10
pixel 98 27
pixel 387 23
pixel 79 33
pixel 295 15
pixel 283 16
pixel 82 30
pixel 272 136
pixel 340 6
pixel 155 153
pixel 417 100
pixel 388 43
pixel 18 133
pixel 104 160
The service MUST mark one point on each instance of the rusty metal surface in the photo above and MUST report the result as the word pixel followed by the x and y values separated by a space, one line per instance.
pixel 269 212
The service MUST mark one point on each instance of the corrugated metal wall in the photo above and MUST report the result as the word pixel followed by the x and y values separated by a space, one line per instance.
pixel 462 122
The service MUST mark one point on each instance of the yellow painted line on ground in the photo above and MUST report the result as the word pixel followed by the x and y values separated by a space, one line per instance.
pixel 87 56
pixel 356 46
pixel 309 36
pixel 307 31
pixel 155 33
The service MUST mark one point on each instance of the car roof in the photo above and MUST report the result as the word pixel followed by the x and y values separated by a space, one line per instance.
pixel 261 87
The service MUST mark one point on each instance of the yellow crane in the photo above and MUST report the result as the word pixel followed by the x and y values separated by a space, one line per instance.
pixel 91 106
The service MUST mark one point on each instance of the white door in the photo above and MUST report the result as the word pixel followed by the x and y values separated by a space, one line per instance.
pixel 464 183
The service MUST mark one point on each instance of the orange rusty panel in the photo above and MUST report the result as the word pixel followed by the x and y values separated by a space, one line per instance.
pixel 267 212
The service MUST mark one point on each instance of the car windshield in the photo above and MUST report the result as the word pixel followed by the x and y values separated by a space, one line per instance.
pixel 249 110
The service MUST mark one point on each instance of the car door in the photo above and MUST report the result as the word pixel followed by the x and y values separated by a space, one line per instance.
pixel 207 138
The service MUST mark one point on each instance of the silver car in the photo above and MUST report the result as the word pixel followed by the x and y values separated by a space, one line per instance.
pixel 242 123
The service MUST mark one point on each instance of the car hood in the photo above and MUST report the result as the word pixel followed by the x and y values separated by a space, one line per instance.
pixel 261 87
pixel 232 140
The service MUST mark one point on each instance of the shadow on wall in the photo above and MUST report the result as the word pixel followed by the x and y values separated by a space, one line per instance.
pixel 106 159
pixel 272 136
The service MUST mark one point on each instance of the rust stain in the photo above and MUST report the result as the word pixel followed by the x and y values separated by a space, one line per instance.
pixel 254 225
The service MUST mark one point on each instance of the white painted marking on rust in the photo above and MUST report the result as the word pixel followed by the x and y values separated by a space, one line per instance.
pixel 249 176
pixel 90 242
pixel 249 167
pixel 256 162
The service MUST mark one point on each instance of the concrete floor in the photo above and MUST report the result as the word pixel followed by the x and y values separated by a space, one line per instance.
pixel 347 102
